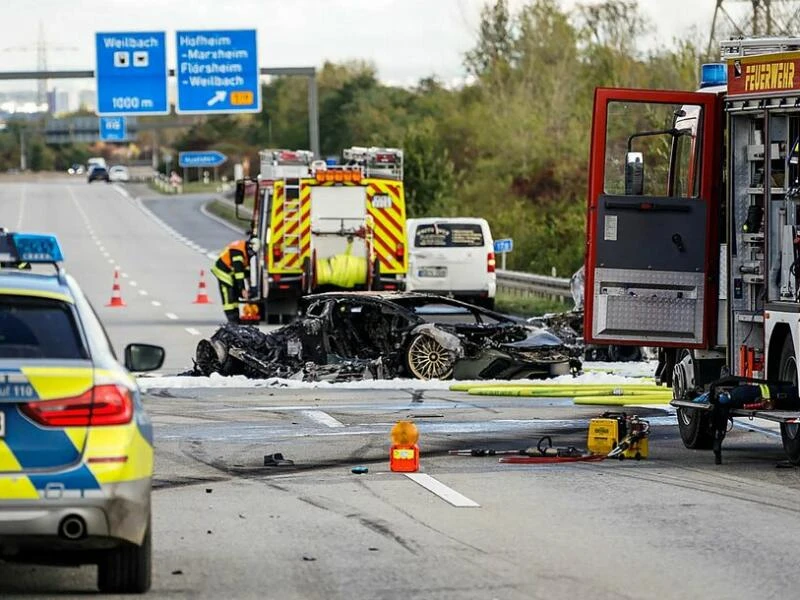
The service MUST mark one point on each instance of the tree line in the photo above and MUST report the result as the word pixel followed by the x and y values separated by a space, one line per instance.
pixel 511 146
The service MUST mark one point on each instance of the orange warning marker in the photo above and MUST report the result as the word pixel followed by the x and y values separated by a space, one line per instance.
pixel 116 293
pixel 404 453
pixel 202 294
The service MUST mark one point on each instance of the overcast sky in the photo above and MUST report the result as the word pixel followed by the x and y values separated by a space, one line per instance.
pixel 406 39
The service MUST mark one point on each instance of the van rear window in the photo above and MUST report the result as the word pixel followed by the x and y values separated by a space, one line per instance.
pixel 448 235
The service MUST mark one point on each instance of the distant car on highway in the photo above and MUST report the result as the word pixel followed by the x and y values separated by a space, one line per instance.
pixel 98 173
pixel 119 173
pixel 75 443
pixel 76 169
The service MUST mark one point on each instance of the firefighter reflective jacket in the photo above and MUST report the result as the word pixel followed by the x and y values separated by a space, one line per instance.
pixel 231 266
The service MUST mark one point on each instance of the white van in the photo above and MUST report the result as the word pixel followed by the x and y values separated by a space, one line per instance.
pixel 453 256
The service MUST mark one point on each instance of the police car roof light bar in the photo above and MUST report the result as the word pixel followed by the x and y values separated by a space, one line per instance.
pixel 33 248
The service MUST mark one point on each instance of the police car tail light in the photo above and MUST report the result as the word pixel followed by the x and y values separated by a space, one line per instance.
pixel 101 405
pixel 490 263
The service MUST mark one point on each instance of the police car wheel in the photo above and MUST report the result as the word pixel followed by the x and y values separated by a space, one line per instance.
pixel 127 569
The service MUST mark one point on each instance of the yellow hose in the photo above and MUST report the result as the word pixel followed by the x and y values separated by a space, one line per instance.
pixel 620 401
pixel 465 387
pixel 566 393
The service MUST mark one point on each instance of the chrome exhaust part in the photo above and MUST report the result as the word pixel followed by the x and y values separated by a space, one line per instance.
pixel 72 527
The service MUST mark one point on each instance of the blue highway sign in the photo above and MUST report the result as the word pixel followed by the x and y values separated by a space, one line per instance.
pixel 218 72
pixel 113 129
pixel 504 245
pixel 209 158
pixel 131 73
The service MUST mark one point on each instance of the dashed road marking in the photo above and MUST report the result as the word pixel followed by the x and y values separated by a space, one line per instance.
pixel 142 292
pixel 172 316
pixel 132 283
pixel 192 330
pixel 124 275
pixel 322 418
pixel 156 303
pixel 445 493
pixel 111 261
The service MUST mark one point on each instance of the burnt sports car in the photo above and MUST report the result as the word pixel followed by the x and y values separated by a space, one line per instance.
pixel 381 335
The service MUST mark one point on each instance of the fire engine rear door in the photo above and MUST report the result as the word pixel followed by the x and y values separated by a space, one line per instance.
pixel 652 220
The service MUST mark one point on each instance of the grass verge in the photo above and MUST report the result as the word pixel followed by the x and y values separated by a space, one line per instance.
pixel 226 212
pixel 528 306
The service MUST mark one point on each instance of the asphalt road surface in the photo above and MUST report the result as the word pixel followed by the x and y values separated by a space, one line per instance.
pixel 225 526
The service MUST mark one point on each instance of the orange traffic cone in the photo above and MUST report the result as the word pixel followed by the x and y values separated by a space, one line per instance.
pixel 202 295
pixel 116 294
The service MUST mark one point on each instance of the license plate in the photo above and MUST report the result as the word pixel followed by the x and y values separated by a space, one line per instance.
pixel 433 272
pixel 2 424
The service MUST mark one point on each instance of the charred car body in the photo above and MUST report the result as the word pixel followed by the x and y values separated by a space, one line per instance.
pixel 382 335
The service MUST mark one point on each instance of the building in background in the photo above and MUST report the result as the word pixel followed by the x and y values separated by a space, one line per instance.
pixel 87 100
pixel 58 102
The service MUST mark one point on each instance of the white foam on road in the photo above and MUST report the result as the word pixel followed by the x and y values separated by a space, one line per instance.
pixel 445 493
pixel 626 373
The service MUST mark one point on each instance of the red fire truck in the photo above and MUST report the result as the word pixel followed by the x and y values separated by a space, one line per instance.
pixel 693 241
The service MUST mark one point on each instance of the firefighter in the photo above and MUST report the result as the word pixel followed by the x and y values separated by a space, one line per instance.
pixel 231 270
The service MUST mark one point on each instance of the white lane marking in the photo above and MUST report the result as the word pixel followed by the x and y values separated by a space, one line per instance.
pixel 445 493
pixel 100 247
pixel 124 275
pixel 156 303
pixel 192 330
pixel 21 207
pixel 211 255
pixel 322 418
pixel 111 261
pixel 172 316
pixel 142 293
pixel 132 283
pixel 106 254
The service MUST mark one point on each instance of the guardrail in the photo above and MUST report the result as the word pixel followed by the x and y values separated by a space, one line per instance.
pixel 528 284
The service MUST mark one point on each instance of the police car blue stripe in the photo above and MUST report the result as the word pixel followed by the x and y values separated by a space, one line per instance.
pixel 36 447
pixel 80 478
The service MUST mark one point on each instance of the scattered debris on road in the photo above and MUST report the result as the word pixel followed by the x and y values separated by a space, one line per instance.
pixel 277 460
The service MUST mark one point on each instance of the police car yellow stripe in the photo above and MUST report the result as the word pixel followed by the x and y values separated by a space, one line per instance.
pixel 8 462
pixel 36 293
pixel 59 382
pixel 117 442
pixel 14 487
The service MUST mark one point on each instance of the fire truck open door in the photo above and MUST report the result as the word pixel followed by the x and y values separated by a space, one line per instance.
pixel 653 221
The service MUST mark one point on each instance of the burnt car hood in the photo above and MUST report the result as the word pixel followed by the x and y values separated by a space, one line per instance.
pixel 535 339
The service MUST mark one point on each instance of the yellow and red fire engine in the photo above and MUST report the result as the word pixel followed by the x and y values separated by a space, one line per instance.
pixel 324 225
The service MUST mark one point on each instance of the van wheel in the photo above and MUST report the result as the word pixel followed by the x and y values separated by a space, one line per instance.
pixel 127 569
pixel 787 372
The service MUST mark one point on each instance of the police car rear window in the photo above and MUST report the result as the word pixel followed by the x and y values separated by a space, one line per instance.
pixel 448 235
pixel 38 328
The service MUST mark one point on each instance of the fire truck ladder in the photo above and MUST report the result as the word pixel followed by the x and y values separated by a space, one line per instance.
pixel 291 218
pixel 738 48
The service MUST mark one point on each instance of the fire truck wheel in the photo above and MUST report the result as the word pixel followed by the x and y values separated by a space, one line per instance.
pixel 694 425
pixel 428 359
pixel 787 371
pixel 695 428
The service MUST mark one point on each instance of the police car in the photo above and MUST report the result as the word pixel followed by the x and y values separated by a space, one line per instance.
pixel 76 447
